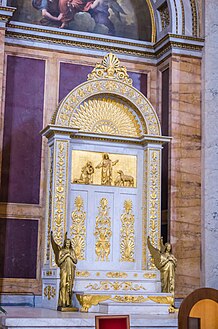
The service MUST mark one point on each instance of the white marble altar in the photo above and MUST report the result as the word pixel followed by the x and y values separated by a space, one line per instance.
pixel 37 318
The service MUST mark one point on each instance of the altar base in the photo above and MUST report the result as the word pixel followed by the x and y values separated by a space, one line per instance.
pixel 38 318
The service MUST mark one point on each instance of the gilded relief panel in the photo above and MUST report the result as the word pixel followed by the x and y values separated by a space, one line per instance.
pixel 104 169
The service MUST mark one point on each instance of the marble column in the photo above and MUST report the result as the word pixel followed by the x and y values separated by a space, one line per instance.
pixel 210 149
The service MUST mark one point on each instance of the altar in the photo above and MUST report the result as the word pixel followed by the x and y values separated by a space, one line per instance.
pixel 104 190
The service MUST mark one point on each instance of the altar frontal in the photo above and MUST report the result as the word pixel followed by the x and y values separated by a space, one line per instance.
pixel 104 190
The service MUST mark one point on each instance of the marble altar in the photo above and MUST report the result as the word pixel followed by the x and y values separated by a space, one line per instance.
pixel 37 318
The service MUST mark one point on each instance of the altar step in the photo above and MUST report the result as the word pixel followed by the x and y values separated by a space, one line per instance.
pixel 38 318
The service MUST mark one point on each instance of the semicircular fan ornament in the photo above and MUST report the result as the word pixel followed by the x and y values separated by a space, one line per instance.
pixel 106 116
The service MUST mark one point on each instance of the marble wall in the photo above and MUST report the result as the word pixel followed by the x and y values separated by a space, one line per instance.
pixel 185 172
pixel 210 149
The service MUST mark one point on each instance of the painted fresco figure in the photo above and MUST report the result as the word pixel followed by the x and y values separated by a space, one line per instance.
pixel 99 10
pixel 69 8
pixel 49 8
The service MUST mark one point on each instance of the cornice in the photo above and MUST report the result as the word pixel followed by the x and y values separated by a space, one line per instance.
pixel 66 41
pixel 5 14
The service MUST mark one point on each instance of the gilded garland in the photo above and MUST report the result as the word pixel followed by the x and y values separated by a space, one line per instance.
pixel 103 232
pixel 78 228
pixel 127 234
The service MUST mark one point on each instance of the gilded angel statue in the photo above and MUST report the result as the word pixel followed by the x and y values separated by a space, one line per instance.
pixel 165 263
pixel 65 258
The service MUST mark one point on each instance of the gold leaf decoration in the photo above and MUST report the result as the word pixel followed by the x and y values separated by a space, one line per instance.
pixel 110 68
pixel 106 116
pixel 78 228
pixel 103 231
pixel 127 233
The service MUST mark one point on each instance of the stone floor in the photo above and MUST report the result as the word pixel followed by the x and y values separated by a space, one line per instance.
pixel 38 318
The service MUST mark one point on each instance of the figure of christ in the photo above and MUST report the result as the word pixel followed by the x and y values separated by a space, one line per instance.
pixel 68 9
pixel 106 169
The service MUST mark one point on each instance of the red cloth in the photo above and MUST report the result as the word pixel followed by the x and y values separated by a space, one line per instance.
pixel 111 323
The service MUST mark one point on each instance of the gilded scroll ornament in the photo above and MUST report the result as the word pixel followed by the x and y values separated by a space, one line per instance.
pixel 129 299
pixel 116 275
pixel 60 189
pixel 86 176
pixel 86 301
pixel 103 231
pixel 165 263
pixel 154 200
pixel 110 68
pixel 65 258
pixel 107 116
pixel 127 233
pixel 82 274
pixel 116 285
pixel 49 292
pixel 78 228
pixel 106 166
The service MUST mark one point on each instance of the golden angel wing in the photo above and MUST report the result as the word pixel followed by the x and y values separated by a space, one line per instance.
pixel 155 253
pixel 162 246
pixel 56 248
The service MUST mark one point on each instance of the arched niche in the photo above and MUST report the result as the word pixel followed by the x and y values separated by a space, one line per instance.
pixel 105 118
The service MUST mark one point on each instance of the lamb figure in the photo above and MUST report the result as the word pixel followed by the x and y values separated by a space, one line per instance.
pixel 124 180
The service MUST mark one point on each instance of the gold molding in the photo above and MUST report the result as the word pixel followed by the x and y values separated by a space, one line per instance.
pixel 194 18
pixel 153 25
pixel 133 43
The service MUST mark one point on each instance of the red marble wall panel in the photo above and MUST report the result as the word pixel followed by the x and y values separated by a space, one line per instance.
pixel 20 177
pixel 18 248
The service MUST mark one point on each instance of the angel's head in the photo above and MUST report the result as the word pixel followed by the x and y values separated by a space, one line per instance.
pixel 168 247
pixel 67 244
